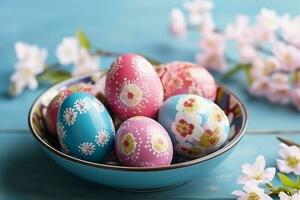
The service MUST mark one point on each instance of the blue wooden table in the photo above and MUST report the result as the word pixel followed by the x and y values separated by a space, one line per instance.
pixel 124 26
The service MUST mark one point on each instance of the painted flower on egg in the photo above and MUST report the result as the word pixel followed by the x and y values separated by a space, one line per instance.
pixel 159 143
pixel 131 94
pixel 143 142
pixel 196 125
pixel 133 87
pixel 128 144
pixel 187 127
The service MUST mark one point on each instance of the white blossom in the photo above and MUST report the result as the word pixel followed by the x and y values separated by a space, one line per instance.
pixel 251 191
pixel 256 172
pixel 67 51
pixel 178 25
pixel 290 162
pixel 291 29
pixel 85 63
pixel 196 9
pixel 288 56
pixel 269 19
pixel 31 62
pixel 284 196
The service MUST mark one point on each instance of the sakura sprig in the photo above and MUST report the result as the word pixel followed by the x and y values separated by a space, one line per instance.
pixel 268 50
pixel 74 52
pixel 256 178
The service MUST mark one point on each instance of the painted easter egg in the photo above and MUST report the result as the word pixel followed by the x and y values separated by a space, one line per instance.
pixel 186 78
pixel 85 128
pixel 133 87
pixel 197 126
pixel 52 109
pixel 143 142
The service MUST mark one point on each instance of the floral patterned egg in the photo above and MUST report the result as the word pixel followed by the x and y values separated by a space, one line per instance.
pixel 85 129
pixel 197 126
pixel 52 109
pixel 143 142
pixel 133 87
pixel 186 78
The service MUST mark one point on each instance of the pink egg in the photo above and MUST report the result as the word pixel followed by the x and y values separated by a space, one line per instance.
pixel 52 109
pixel 143 142
pixel 186 78
pixel 133 87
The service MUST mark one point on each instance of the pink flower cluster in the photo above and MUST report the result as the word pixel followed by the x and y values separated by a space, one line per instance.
pixel 270 46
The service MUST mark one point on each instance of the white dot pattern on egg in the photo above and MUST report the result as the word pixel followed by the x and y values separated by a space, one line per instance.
pixel 133 87
pixel 142 142
pixel 85 128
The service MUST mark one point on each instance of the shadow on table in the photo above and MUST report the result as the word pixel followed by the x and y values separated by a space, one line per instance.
pixel 31 174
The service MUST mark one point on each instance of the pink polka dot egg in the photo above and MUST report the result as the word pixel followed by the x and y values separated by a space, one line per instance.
pixel 133 87
pixel 142 142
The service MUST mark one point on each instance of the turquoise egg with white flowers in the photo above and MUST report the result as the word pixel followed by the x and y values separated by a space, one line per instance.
pixel 85 128
pixel 197 126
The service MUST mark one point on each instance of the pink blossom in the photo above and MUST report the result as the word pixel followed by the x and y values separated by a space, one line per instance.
pixel 240 31
pixel 260 86
pixel 279 89
pixel 262 35
pixel 196 9
pixel 178 26
pixel 291 29
pixel 295 96
pixel 207 24
pixel 212 61
pixel 247 53
pixel 288 56
pixel 264 67
pixel 268 19
pixel 213 43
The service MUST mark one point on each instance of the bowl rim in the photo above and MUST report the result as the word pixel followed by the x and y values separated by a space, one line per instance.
pixel 62 155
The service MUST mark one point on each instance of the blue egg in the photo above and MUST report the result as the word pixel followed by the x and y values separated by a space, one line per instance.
pixel 85 128
pixel 196 125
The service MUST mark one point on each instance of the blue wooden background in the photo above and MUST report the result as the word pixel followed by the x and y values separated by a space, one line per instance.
pixel 123 26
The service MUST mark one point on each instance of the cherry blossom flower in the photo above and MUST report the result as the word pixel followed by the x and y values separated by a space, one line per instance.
pixel 264 67
pixel 211 61
pixel 284 196
pixel 240 31
pixel 269 19
pixel 212 54
pixel 262 35
pixel 213 43
pixel 31 62
pixel 288 56
pixel 85 63
pixel 295 97
pixel 178 27
pixel 68 50
pixel 290 161
pixel 260 86
pixel 290 29
pixel 207 24
pixel 196 9
pixel 256 172
pixel 279 91
pixel 247 53
pixel 251 191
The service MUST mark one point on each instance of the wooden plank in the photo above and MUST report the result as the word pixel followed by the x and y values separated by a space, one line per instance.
pixel 27 173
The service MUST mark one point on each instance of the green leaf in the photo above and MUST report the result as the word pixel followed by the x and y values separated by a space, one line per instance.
pixel 236 69
pixel 54 75
pixel 286 181
pixel 84 41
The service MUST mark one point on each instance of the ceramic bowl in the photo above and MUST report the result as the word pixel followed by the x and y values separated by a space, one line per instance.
pixel 111 174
